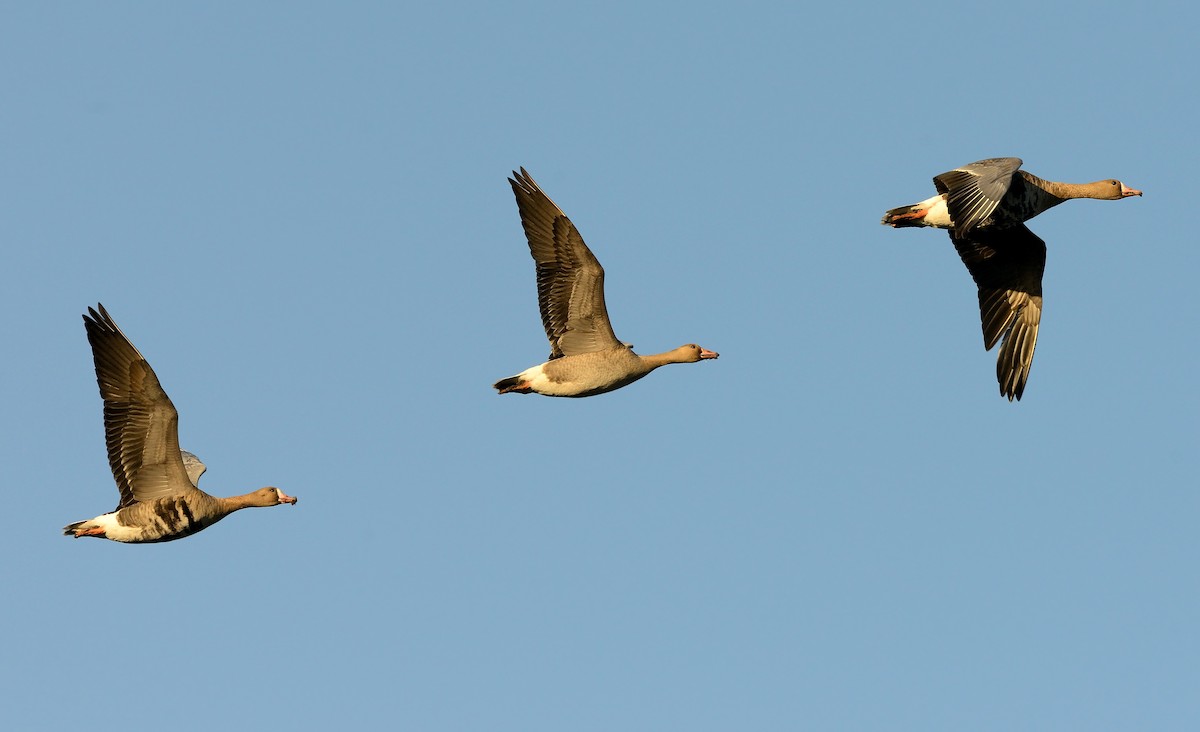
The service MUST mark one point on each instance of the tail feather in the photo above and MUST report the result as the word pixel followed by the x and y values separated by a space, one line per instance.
pixel 504 386
pixel 901 217
pixel 69 529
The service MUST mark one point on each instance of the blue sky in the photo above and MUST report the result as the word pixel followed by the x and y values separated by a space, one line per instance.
pixel 298 212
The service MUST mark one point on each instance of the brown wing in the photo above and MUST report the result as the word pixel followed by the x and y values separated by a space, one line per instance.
pixel 974 191
pixel 570 280
pixel 1007 264
pixel 140 423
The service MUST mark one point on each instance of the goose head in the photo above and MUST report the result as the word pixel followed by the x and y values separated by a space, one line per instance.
pixel 269 496
pixel 1113 189
pixel 691 353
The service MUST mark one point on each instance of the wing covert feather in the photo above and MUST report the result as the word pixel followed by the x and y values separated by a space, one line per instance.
pixel 974 191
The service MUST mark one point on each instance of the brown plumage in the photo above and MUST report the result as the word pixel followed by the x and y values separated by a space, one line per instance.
pixel 586 358
pixel 985 206
pixel 159 498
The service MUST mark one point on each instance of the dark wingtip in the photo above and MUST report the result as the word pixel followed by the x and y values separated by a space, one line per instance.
pixel 98 315
pixel 523 180
pixel 1012 391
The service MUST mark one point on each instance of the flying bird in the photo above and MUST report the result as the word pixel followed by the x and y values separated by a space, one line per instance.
pixel 586 358
pixel 160 499
pixel 985 206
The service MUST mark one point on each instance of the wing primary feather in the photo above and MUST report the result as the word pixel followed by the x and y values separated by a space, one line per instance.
pixel 140 422
pixel 570 280
pixel 1007 266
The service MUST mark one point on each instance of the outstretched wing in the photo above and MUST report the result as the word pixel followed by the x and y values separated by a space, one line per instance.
pixel 1007 264
pixel 974 191
pixel 140 422
pixel 194 466
pixel 570 280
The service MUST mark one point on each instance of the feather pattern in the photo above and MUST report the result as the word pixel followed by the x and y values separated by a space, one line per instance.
pixel 570 280
pixel 1007 266
pixel 160 500
pixel 586 358
pixel 140 422
pixel 194 467
pixel 984 205
pixel 973 192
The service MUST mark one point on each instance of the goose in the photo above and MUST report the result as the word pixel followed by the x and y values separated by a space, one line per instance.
pixel 160 496
pixel 985 206
pixel 586 358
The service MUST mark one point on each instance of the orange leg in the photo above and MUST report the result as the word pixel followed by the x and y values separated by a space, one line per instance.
pixel 94 531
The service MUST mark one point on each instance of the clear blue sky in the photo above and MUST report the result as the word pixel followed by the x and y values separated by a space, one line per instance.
pixel 298 212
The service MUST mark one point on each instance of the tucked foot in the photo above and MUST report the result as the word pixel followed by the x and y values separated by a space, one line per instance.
pixel 93 531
